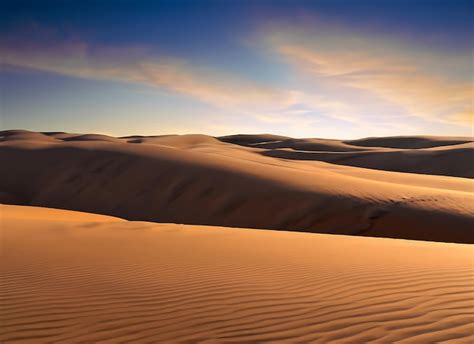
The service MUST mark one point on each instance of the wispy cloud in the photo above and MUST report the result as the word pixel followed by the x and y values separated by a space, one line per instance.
pixel 432 85
pixel 340 83
pixel 217 88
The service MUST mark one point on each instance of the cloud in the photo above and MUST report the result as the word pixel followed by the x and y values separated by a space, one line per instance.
pixel 466 116
pixel 340 82
pixel 422 82
pixel 136 65
pixel 234 97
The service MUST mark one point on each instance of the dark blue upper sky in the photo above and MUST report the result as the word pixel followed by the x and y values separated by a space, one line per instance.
pixel 196 24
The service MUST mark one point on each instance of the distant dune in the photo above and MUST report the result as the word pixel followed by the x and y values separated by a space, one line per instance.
pixel 411 142
pixel 71 277
pixel 449 156
pixel 198 179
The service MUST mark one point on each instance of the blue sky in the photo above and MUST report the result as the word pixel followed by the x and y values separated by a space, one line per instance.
pixel 342 69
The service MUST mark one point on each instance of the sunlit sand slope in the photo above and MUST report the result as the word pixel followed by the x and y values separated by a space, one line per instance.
pixel 107 280
pixel 197 179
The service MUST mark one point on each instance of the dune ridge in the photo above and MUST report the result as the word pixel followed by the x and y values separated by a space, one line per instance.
pixel 197 179
pixel 106 280
pixel 448 156
pixel 411 142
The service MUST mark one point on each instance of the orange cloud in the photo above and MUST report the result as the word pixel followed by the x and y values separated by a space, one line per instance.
pixel 204 84
pixel 466 116
pixel 423 83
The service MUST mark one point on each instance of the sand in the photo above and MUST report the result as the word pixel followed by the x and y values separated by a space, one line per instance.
pixel 202 180
pixel 68 277
pixel 438 155
pixel 402 142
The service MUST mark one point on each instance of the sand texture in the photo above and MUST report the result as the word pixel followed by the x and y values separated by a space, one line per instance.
pixel 251 181
pixel 72 277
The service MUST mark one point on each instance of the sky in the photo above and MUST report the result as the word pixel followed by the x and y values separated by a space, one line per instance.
pixel 329 68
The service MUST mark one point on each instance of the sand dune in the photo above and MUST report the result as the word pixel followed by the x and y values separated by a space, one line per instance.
pixel 100 279
pixel 446 160
pixel 311 144
pixel 449 156
pixel 410 142
pixel 197 179
pixel 294 144
pixel 245 140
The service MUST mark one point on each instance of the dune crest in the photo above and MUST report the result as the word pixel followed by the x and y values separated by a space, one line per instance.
pixel 447 156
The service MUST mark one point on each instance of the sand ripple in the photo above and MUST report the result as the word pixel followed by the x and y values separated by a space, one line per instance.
pixel 140 282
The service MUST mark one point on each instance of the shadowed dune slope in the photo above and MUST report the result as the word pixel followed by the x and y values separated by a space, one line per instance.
pixel 105 280
pixel 248 139
pixel 266 141
pixel 449 156
pixel 195 179
pixel 447 160
pixel 403 142
pixel 410 142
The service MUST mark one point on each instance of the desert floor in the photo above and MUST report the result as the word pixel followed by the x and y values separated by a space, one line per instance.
pixel 246 238
pixel 73 277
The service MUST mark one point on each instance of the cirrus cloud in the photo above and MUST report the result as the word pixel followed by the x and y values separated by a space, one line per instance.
pixel 217 88
pixel 429 84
